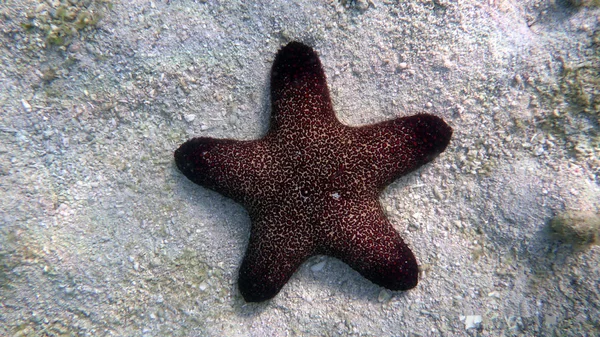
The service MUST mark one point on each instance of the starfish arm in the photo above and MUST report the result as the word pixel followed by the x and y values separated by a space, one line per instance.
pixel 393 148
pixel 299 93
pixel 230 167
pixel 359 234
pixel 273 254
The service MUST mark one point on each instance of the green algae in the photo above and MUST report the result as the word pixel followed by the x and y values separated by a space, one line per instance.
pixel 62 21
pixel 578 228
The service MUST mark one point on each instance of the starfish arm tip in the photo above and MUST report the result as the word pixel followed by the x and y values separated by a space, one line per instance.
pixel 299 91
pixel 192 160
pixel 432 133
pixel 398 272
pixel 295 63
pixel 214 164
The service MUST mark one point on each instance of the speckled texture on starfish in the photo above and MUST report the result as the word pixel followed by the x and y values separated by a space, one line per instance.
pixel 311 184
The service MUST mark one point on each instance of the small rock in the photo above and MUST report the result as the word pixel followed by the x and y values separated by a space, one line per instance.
pixel 472 321
pixel 438 193
pixel 579 228
pixel 539 151
pixel 495 294
pixel 578 3
pixel 189 118
pixel 318 266
pixel 518 79
pixel 384 296
pixel 26 105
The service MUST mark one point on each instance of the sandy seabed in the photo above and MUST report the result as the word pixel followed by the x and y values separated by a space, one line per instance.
pixel 100 235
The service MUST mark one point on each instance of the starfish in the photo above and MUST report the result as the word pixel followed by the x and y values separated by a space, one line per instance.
pixel 311 184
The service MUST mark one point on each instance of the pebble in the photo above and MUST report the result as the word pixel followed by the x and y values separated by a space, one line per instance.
pixel 437 193
pixel 26 105
pixel 495 294
pixel 318 266
pixel 539 151
pixel 384 296
pixel 189 118
pixel 578 228
pixel 518 79
pixel 472 321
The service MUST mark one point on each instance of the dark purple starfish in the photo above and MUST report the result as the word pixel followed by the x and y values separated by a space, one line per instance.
pixel 311 185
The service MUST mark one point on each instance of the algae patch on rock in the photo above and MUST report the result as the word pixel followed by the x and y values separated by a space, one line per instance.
pixel 578 228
